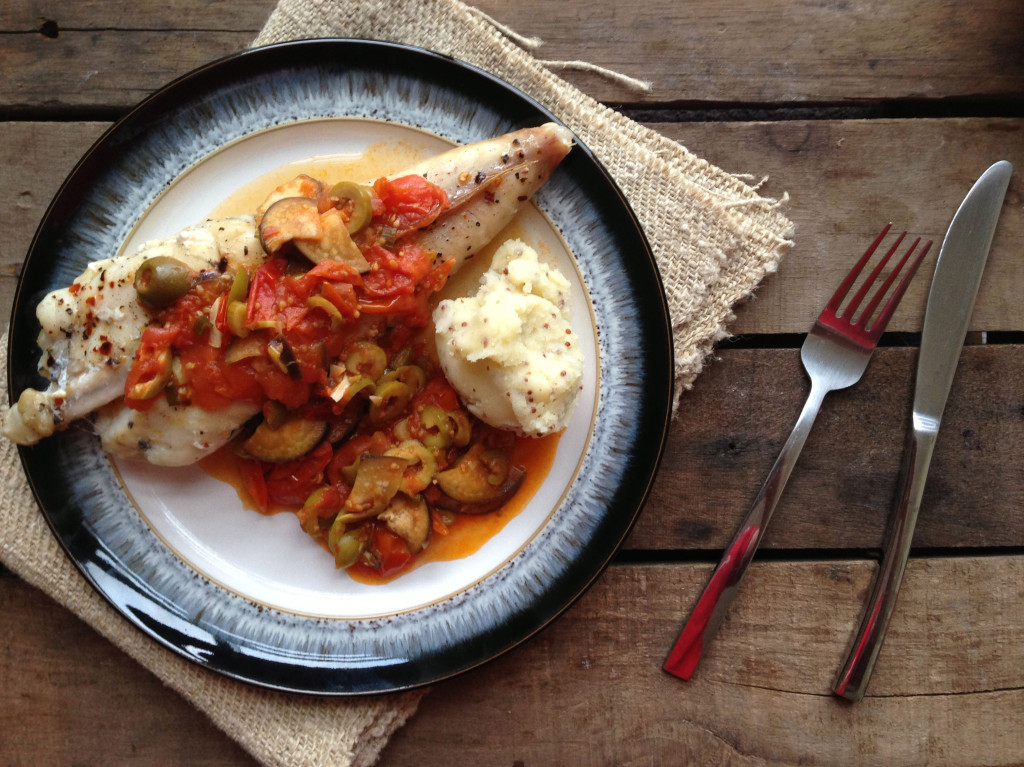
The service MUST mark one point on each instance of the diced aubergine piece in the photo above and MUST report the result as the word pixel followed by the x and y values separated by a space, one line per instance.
pixel 300 186
pixel 292 439
pixel 334 244
pixel 376 483
pixel 289 219
pixel 409 519
pixel 481 481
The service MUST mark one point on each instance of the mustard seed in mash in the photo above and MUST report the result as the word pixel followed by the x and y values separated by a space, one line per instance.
pixel 508 349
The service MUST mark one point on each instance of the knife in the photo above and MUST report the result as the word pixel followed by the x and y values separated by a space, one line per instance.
pixel 950 303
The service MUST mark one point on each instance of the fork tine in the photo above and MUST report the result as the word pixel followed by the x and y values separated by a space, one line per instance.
pixel 844 288
pixel 883 319
pixel 859 296
pixel 880 293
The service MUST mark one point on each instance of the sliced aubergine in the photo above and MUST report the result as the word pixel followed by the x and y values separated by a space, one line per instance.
pixel 408 517
pixel 290 440
pixel 300 186
pixel 481 481
pixel 289 219
pixel 334 243
pixel 377 480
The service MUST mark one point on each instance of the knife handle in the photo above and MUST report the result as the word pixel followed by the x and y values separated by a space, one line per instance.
pixel 860 662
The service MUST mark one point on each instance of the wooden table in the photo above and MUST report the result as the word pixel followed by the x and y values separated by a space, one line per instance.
pixel 864 112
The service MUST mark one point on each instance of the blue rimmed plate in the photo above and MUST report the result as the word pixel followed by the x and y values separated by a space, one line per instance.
pixel 243 594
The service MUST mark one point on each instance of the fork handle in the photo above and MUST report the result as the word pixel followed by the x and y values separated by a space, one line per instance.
pixel 853 679
pixel 714 602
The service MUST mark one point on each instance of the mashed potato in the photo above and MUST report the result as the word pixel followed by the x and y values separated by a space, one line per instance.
pixel 509 349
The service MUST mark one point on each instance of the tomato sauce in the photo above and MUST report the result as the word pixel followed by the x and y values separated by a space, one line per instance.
pixel 402 284
pixel 466 534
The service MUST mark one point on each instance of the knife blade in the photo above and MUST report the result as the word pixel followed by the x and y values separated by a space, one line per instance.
pixel 951 298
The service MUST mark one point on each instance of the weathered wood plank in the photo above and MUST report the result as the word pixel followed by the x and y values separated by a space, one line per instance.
pixel 51 18
pixel 762 695
pixel 742 408
pixel 104 68
pixel 747 52
pixel 846 180
pixel 947 688
pixel 840 176
pixel 770 52
pixel 71 697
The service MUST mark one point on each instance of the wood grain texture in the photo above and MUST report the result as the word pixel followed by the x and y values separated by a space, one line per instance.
pixel 746 52
pixel 49 17
pixel 947 689
pixel 782 52
pixel 743 407
pixel 71 697
pixel 762 695
pixel 846 179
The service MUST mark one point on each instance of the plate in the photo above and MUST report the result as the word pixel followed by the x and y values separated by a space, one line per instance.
pixel 240 593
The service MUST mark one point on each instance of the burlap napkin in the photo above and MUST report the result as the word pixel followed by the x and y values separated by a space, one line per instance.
pixel 714 237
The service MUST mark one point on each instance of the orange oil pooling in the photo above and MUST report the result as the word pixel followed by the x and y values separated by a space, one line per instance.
pixel 222 465
pixel 373 162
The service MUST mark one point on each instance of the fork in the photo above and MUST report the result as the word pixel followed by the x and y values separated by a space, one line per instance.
pixel 835 355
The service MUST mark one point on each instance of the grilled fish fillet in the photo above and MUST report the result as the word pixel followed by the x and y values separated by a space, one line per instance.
pixel 91 331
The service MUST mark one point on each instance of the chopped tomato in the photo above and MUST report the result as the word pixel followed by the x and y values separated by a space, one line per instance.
pixel 150 365
pixel 255 483
pixel 410 202
pixel 278 385
pixel 291 482
pixel 301 321
pixel 405 305
pixel 261 305
pixel 391 551
pixel 346 455
pixel 343 296
pixel 335 271
pixel 329 502
pixel 438 392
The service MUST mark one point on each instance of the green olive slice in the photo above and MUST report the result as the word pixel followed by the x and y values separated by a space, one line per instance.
pixel 362 204
pixel 346 545
pixel 366 358
pixel 149 388
pixel 422 466
pixel 411 375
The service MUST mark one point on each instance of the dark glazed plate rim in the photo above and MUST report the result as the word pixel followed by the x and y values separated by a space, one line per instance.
pixel 160 594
